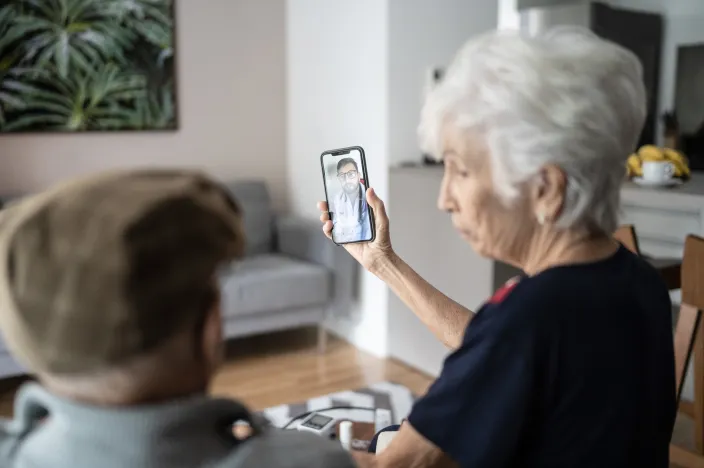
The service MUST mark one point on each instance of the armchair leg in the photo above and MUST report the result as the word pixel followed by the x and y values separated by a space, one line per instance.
pixel 322 338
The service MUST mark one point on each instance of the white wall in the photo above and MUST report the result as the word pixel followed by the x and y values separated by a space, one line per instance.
pixel 231 84
pixel 537 20
pixel 337 96
pixel 509 17
pixel 356 74
pixel 424 34
pixel 684 7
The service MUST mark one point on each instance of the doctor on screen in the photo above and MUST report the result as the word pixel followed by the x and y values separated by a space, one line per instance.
pixel 350 216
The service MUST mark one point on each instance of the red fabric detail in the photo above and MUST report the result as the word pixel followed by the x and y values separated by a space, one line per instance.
pixel 503 292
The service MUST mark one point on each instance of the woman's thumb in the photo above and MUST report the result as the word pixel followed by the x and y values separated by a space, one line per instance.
pixel 376 203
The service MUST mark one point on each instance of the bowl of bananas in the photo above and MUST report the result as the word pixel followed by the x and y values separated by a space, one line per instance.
pixel 676 162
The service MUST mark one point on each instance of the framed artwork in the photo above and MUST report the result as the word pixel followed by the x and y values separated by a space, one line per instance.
pixel 87 65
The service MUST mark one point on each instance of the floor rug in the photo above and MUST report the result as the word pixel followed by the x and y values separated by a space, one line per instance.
pixel 394 397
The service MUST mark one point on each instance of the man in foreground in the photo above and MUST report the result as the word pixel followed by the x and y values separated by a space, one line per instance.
pixel 109 294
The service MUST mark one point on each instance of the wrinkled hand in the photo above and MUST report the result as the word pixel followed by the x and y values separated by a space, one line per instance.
pixel 368 254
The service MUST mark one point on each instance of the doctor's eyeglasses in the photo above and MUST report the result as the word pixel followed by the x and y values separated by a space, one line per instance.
pixel 349 175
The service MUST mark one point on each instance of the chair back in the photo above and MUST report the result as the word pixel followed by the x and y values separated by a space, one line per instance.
pixel 688 329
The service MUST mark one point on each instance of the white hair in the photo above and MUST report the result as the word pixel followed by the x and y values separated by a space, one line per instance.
pixel 565 97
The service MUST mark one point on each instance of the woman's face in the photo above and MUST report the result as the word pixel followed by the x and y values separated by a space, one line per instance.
pixel 493 229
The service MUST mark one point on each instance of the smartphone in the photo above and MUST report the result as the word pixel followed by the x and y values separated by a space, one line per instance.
pixel 346 181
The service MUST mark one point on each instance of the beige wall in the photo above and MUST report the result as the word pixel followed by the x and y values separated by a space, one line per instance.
pixel 231 79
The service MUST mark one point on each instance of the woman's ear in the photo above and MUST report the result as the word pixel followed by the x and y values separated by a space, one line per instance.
pixel 549 192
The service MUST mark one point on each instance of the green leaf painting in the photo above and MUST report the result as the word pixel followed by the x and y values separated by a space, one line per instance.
pixel 86 65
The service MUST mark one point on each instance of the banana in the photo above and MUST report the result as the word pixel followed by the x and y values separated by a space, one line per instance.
pixel 651 153
pixel 686 172
pixel 633 166
pixel 679 161
pixel 674 155
pixel 633 161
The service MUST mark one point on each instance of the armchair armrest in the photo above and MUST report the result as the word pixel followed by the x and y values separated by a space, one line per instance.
pixel 303 239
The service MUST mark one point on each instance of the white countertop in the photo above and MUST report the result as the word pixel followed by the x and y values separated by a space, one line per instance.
pixel 688 196
pixel 693 187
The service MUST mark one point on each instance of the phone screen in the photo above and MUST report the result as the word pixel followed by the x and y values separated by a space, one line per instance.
pixel 346 182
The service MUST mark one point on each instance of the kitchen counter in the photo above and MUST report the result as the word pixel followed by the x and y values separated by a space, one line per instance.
pixel 690 193
pixel 663 217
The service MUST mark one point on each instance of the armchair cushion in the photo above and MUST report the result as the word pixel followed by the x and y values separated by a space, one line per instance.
pixel 271 282
pixel 303 239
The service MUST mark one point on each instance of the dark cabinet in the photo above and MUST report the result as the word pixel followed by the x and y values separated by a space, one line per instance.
pixel 641 33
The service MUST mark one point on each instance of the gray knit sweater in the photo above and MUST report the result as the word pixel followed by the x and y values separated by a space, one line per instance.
pixel 194 432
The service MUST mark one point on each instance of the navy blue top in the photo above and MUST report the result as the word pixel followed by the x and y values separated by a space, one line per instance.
pixel 573 367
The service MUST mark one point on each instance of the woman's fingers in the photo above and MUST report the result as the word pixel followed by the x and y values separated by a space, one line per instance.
pixel 325 218
pixel 327 228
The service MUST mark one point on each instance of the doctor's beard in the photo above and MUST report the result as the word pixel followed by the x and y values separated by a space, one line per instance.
pixel 350 187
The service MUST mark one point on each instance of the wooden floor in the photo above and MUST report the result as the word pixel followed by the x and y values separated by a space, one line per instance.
pixel 284 367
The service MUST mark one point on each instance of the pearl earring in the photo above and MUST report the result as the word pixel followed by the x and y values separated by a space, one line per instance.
pixel 541 217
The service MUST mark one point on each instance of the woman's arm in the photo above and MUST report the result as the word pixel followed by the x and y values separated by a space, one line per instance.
pixel 444 317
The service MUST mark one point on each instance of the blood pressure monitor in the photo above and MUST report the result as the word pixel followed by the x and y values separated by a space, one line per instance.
pixel 318 424
pixel 328 426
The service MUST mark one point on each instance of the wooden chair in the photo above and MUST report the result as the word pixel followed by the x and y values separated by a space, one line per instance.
pixel 689 343
pixel 689 334
pixel 669 268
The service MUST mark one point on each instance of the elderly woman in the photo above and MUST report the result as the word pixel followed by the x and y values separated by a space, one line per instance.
pixel 571 365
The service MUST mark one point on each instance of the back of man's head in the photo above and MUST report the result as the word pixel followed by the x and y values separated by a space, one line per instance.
pixel 99 274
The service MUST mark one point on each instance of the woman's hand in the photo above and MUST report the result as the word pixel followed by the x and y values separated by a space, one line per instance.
pixel 369 254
